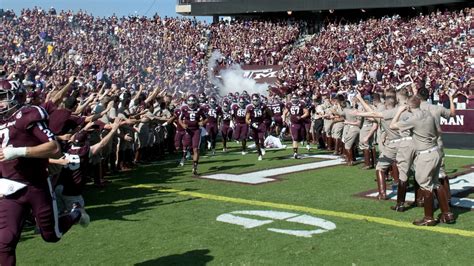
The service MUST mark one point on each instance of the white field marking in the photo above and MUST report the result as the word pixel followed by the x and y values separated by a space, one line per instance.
pixel 260 177
pixel 321 224
pixel 459 156
pixel 457 185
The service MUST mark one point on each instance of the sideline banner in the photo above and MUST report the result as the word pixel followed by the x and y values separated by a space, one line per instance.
pixel 463 122
pixel 261 74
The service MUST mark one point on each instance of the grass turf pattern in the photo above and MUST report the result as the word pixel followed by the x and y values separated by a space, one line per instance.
pixel 134 224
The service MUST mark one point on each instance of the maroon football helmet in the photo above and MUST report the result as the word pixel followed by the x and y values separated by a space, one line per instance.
pixel 10 94
pixel 192 101
pixel 255 99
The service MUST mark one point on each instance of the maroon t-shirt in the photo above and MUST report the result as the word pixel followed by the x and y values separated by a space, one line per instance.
pixel 27 127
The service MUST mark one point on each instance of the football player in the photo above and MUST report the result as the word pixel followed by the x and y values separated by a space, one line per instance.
pixel 277 107
pixel 241 127
pixel 27 143
pixel 192 118
pixel 254 115
pixel 298 113
pixel 227 124
pixel 214 114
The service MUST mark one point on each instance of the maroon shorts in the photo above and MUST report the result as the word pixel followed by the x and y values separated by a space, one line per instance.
pixel 178 140
pixel 212 130
pixel 192 138
pixel 297 131
pixel 278 121
pixel 241 132
pixel 226 132
pixel 15 207
pixel 258 133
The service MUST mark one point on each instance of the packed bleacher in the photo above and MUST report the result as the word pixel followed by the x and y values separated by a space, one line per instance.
pixel 90 71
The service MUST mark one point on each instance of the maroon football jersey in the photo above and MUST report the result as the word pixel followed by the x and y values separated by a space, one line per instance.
pixel 277 109
pixel 257 113
pixel 27 127
pixel 192 117
pixel 295 110
pixel 226 117
pixel 239 114
pixel 213 114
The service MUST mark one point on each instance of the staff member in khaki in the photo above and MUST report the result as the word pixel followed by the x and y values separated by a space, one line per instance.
pixel 427 161
pixel 338 125
pixel 387 158
pixel 352 129
pixel 366 140
pixel 405 154
pixel 326 106
pixel 437 112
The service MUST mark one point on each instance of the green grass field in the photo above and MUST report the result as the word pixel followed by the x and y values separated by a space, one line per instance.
pixel 154 216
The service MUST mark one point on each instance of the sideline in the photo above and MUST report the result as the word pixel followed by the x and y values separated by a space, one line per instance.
pixel 358 217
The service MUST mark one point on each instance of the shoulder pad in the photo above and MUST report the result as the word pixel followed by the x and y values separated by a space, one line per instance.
pixel 28 115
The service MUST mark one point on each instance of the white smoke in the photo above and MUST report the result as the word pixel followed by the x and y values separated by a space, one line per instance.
pixel 233 79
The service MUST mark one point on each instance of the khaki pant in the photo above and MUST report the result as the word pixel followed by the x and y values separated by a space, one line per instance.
pixel 351 136
pixel 337 130
pixel 405 157
pixel 327 127
pixel 364 132
pixel 387 156
pixel 427 170
pixel 442 169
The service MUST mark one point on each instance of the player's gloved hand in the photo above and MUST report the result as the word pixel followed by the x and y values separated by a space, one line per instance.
pixel 272 124
pixel 254 125
pixel 10 153
pixel 164 124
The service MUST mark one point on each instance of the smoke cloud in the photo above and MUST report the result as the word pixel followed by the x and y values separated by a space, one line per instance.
pixel 233 79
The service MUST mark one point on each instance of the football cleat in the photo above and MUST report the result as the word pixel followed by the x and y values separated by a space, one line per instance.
pixel 260 157
pixel 194 171
pixel 85 219
pixel 181 163
pixel 263 151
pixel 308 147
pixel 244 152
pixel 295 156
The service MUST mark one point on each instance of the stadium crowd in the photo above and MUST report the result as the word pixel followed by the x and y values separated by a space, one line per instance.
pixel 116 92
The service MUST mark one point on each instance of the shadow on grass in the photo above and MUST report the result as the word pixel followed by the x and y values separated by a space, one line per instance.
pixel 120 199
pixel 194 257
pixel 227 167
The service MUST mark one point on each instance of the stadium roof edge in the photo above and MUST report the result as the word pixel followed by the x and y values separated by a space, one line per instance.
pixel 238 7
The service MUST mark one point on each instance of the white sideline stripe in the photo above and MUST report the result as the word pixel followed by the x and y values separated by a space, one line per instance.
pixel 459 156
pixel 457 185
pixel 263 176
